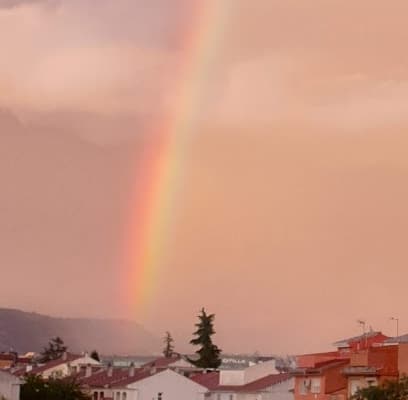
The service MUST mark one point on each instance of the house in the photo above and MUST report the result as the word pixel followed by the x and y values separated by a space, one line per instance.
pixel 243 376
pixel 176 363
pixel 361 342
pixel 165 385
pixel 323 380
pixel 310 360
pixel 7 360
pixel 403 358
pixel 269 387
pixel 141 384
pixel 371 367
pixel 256 382
pixel 9 386
pixel 402 343
pixel 12 360
pixel 61 367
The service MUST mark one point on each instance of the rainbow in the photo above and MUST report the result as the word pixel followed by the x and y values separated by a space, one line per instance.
pixel 160 171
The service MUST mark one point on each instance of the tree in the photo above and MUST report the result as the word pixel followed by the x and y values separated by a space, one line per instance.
pixel 95 355
pixel 56 348
pixel 209 353
pixel 168 345
pixel 390 390
pixel 36 388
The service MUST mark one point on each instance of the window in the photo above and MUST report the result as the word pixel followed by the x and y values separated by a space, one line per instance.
pixel 304 386
pixel 117 395
pixel 95 396
pixel 354 387
pixel 231 397
pixel 315 385
pixel 124 396
pixel 371 382
pixel 159 396
pixel 101 395
pixel 218 396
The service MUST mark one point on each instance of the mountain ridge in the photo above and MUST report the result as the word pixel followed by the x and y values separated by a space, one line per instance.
pixel 30 331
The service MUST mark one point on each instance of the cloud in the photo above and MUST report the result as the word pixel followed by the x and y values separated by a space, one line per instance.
pixel 119 57
pixel 18 3
pixel 276 60
pixel 55 64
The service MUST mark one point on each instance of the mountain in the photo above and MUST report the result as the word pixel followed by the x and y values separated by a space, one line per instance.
pixel 23 332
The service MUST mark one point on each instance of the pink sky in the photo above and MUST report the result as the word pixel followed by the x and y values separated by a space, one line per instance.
pixel 292 211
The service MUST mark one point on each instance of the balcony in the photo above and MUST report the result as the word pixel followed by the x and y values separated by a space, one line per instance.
pixel 360 371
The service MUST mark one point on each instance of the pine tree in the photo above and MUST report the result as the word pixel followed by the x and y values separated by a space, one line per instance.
pixel 169 347
pixel 56 348
pixel 95 355
pixel 209 353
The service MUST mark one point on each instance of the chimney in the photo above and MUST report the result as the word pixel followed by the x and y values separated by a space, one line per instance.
pixel 29 368
pixel 132 370
pixel 88 371
pixel 110 370
pixel 64 356
pixel 153 370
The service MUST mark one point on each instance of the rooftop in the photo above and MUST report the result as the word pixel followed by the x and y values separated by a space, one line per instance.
pixel 346 342
pixel 320 367
pixel 211 381
pixel 397 339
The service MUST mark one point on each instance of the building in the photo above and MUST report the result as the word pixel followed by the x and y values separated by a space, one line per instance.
pixel 176 363
pixel 9 386
pixel 270 387
pixel 140 384
pixel 66 365
pixel 13 360
pixel 323 380
pixel 165 385
pixel 371 367
pixel 7 360
pixel 401 342
pixel 360 342
pixel 257 382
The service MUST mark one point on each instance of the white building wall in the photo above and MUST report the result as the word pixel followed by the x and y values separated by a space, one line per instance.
pixel 249 396
pixel 172 385
pixel 247 375
pixel 115 394
pixel 281 391
pixel 259 371
pixel 64 369
pixel 9 386
pixel 232 377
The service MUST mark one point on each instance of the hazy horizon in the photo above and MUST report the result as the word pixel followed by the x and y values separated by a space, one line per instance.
pixel 290 210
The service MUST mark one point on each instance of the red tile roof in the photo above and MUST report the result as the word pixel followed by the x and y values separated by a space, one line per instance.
pixel 139 375
pixel 119 377
pixel 311 360
pixel 7 357
pixel 103 378
pixel 23 360
pixel 211 382
pixel 266 382
pixel 54 363
pixel 21 371
pixel 319 367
